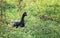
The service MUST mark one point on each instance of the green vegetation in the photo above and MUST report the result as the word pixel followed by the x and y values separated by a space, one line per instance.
pixel 42 20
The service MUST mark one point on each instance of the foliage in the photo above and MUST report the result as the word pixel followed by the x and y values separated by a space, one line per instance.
pixel 42 21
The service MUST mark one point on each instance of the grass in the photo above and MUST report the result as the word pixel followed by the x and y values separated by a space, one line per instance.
pixel 38 22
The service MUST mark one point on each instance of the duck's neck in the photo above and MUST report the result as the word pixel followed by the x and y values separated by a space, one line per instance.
pixel 22 17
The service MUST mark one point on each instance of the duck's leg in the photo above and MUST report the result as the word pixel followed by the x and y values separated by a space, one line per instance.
pixel 16 26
